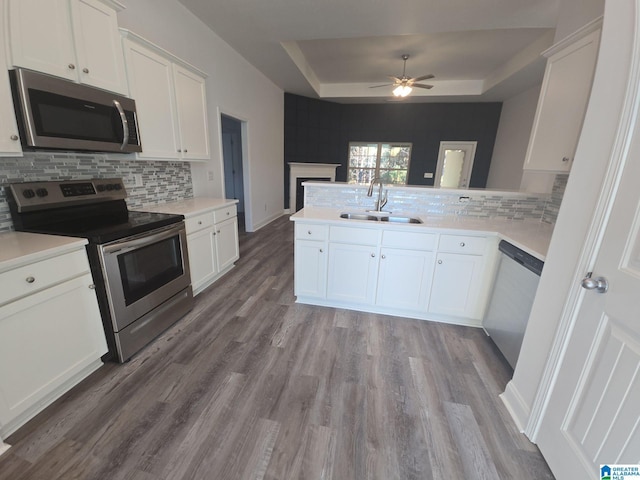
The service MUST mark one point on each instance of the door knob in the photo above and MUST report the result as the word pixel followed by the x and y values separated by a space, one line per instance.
pixel 599 284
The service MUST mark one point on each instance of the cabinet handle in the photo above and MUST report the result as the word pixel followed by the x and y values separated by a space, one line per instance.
pixel 179 150
pixel 373 255
pixel 218 231
pixel 14 137
pixel 439 262
pixel 462 244
pixel 321 251
pixel 309 232
pixel 199 222
pixel 185 150
pixel 72 66
pixel 383 256
pixel 227 214
pixel 85 70
pixel 565 159
pixel 92 286
pixel 30 279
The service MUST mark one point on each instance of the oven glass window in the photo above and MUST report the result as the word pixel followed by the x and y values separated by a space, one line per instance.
pixel 146 269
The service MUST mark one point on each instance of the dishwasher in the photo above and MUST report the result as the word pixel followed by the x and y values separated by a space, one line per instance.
pixel 511 300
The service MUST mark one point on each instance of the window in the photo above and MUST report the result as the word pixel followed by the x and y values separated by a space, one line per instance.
pixel 369 160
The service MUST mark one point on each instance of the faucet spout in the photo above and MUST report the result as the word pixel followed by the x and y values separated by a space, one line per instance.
pixel 381 201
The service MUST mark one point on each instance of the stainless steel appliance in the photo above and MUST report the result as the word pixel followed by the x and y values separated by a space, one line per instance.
pixel 139 260
pixel 53 113
pixel 513 294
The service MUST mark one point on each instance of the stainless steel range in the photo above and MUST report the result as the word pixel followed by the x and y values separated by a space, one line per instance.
pixel 139 260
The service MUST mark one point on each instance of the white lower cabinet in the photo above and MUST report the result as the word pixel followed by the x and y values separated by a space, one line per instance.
pixel 418 274
pixel 49 339
pixel 404 278
pixel 353 272
pixel 212 242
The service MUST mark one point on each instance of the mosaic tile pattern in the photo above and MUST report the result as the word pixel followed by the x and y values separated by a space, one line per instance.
pixel 162 181
pixel 422 201
pixel 553 206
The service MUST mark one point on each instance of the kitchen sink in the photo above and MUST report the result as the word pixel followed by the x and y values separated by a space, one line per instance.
pixel 373 218
pixel 400 220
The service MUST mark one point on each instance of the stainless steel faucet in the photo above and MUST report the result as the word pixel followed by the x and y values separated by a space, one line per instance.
pixel 381 201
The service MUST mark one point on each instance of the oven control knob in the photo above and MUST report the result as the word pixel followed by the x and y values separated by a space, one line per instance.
pixel 42 192
pixel 100 188
pixel 109 186
pixel 117 186
pixel 28 193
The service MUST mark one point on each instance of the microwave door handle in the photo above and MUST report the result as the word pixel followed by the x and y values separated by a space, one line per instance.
pixel 125 124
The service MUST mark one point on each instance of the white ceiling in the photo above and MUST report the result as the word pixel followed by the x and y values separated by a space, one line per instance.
pixel 479 50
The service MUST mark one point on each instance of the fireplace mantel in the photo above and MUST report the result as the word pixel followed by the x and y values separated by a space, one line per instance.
pixel 308 170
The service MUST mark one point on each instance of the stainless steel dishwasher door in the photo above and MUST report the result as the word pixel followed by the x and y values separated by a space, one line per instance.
pixel 511 300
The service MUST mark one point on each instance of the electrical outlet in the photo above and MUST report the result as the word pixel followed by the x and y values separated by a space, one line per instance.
pixel 463 199
pixel 132 181
pixel 428 174
pixel 210 176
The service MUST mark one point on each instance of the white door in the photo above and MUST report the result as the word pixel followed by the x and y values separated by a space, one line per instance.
pixel 455 162
pixel 593 413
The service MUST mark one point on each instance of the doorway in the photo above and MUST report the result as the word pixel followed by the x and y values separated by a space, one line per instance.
pixel 232 161
pixel 455 163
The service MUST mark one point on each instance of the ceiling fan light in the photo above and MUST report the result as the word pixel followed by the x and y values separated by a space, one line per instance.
pixel 402 90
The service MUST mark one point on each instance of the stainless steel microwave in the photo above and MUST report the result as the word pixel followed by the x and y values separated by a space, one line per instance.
pixel 57 114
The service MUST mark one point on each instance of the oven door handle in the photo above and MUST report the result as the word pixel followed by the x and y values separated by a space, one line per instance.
pixel 132 244
pixel 125 124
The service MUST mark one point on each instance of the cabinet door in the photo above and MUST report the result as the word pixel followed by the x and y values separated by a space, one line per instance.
pixel 40 37
pixel 46 339
pixel 151 85
pixel 404 279
pixel 310 269
pixel 9 139
pixel 202 257
pixel 562 106
pixel 353 271
pixel 191 106
pixel 227 251
pixel 456 285
pixel 98 46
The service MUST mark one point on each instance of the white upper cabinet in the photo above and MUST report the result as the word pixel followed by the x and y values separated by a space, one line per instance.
pixel 192 114
pixel 170 102
pixel 563 101
pixel 9 136
pixel 73 39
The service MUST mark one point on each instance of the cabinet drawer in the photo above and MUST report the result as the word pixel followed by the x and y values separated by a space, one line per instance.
pixel 359 236
pixel 409 240
pixel 224 213
pixel 462 244
pixel 198 222
pixel 311 231
pixel 37 276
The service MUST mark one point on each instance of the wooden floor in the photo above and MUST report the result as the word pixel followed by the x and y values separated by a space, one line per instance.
pixel 251 385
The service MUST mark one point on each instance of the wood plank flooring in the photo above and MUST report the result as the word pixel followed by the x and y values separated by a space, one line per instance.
pixel 250 385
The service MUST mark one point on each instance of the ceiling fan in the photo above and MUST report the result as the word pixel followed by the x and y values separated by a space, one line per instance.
pixel 403 85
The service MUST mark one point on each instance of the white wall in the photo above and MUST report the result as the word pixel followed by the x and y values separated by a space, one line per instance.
pixel 234 87
pixel 512 140
pixel 574 14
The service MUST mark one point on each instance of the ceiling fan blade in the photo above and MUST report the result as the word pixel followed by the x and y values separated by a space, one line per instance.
pixel 395 79
pixel 419 85
pixel 423 77
pixel 385 85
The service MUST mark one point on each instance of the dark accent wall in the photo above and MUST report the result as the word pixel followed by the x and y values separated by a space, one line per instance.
pixel 318 131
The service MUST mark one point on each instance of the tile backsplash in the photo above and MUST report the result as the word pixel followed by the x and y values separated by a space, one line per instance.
pixel 430 201
pixel 161 181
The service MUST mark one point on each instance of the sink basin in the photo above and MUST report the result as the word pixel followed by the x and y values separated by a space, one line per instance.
pixel 400 220
pixel 358 216
pixel 373 218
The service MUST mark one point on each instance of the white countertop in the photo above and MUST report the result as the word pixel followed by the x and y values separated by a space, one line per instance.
pixel 190 207
pixel 22 248
pixel 531 236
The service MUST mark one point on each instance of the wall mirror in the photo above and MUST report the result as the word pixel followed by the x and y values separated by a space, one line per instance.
pixel 455 162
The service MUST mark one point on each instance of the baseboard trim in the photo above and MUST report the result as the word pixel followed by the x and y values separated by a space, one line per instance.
pixel 515 405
